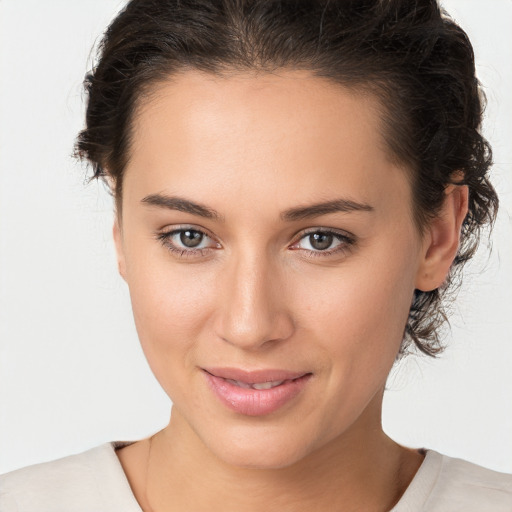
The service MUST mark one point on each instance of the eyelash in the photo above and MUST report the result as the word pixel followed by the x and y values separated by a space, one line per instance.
pixel 166 236
pixel 346 242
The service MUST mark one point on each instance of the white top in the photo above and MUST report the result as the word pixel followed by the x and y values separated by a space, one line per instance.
pixel 94 481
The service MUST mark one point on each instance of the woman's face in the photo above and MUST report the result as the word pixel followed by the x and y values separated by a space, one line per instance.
pixel 265 236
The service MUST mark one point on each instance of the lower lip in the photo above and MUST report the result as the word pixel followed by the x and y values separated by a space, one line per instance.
pixel 255 402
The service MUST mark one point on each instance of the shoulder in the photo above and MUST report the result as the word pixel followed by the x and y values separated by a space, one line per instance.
pixel 470 485
pixel 444 483
pixel 93 480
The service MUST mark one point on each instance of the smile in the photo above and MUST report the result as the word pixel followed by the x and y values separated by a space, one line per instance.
pixel 256 385
pixel 255 393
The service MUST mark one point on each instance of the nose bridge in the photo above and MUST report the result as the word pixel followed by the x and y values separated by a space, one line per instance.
pixel 253 311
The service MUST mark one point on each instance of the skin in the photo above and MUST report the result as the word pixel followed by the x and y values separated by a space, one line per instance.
pixel 250 147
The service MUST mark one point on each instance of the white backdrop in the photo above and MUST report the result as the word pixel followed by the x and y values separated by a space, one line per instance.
pixel 72 374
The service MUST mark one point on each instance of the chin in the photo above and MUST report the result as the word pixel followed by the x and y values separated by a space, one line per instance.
pixel 259 449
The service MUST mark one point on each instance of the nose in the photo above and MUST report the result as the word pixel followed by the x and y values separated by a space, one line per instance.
pixel 252 310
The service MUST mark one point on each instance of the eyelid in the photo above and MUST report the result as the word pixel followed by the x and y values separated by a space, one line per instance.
pixel 177 228
pixel 165 234
pixel 348 241
pixel 349 237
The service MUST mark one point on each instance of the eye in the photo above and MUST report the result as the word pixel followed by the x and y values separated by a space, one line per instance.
pixel 323 242
pixel 187 241
pixel 191 238
pixel 320 241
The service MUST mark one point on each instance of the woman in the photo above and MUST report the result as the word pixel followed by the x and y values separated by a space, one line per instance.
pixel 296 184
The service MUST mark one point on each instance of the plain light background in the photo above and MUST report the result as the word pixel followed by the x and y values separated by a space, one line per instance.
pixel 72 374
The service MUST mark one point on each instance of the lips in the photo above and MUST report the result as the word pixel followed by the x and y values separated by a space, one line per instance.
pixel 256 385
pixel 255 393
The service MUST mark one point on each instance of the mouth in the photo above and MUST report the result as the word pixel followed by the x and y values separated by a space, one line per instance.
pixel 255 393
pixel 256 385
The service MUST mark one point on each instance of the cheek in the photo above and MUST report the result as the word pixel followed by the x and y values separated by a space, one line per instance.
pixel 360 311
pixel 170 305
pixel 356 320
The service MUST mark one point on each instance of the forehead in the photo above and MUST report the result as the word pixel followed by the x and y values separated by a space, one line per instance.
pixel 288 133
pixel 294 103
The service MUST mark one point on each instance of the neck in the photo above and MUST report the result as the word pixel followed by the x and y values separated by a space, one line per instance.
pixel 361 470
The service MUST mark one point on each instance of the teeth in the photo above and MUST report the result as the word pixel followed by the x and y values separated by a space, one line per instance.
pixel 259 385
pixel 239 383
pixel 267 385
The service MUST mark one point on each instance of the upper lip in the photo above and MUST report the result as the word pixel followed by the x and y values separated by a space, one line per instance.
pixel 254 376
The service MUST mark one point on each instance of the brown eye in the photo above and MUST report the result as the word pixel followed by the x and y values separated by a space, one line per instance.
pixel 321 241
pixel 190 238
pixel 188 242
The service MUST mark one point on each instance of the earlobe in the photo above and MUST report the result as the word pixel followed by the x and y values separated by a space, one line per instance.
pixel 442 239
pixel 118 242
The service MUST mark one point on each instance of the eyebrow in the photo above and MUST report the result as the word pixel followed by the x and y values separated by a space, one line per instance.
pixel 333 206
pixel 293 214
pixel 182 205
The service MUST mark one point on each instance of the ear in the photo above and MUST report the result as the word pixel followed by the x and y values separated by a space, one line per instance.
pixel 441 240
pixel 118 242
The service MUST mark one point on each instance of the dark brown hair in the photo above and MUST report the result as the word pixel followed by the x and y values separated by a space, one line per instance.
pixel 408 53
